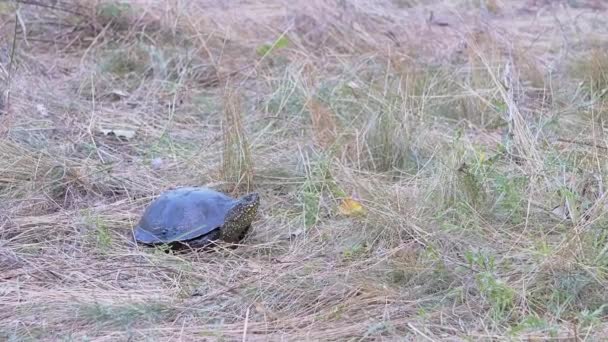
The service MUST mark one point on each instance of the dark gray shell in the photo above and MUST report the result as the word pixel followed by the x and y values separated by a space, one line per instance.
pixel 183 214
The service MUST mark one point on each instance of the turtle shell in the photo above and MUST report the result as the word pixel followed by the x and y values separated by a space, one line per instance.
pixel 183 214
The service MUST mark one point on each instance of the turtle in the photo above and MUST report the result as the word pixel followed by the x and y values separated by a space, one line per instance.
pixel 196 217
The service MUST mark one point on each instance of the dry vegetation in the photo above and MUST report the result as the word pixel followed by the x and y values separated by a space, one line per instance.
pixel 471 133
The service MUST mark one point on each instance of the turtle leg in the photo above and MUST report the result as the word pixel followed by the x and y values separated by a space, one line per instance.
pixel 203 240
pixel 240 237
pixel 208 240
pixel 244 232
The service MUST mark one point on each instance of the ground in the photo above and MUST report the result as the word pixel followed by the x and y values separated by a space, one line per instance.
pixel 428 170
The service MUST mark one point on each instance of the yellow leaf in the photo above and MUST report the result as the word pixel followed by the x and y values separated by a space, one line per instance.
pixel 351 207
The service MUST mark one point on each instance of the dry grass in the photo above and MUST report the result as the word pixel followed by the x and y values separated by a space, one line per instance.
pixel 473 139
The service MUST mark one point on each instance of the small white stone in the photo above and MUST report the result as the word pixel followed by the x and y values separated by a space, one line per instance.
pixel 157 163
pixel 42 110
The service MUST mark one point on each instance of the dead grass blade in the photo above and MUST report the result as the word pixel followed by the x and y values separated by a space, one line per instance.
pixel 237 164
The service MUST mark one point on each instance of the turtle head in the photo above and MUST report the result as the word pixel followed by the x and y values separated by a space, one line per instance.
pixel 239 217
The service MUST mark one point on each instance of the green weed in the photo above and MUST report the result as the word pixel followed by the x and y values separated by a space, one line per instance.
pixel 356 252
pixel 499 295
pixel 100 231
pixel 592 317
pixel 528 323
pixel 312 190
pixel 127 61
pixel 114 13
pixel 509 193
pixel 267 49
pixel 166 146
pixel 287 99
pixel 124 315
